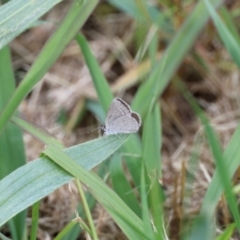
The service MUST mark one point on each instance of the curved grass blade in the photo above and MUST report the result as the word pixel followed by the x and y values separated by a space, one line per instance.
pixel 108 198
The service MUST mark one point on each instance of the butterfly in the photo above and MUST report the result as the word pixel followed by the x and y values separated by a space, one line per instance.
pixel 121 118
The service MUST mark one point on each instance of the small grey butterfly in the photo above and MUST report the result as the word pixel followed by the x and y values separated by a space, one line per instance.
pixel 121 118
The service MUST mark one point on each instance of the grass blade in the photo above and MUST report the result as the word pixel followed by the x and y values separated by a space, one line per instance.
pixel 172 57
pixel 228 39
pixel 121 185
pixel 100 82
pixel 92 230
pixel 12 154
pixel 144 203
pixel 35 217
pixel 220 161
pixel 66 230
pixel 109 199
pixel 76 16
pixel 229 21
pixel 16 16
pixel 152 161
pixel 227 232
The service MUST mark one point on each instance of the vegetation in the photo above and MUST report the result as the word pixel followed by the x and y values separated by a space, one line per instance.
pixel 176 63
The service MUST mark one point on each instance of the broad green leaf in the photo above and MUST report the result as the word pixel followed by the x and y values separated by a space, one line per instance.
pixel 37 179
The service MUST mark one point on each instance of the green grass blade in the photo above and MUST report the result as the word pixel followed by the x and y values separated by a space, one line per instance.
pixel 96 109
pixel 91 229
pixel 16 16
pixel 37 132
pixel 215 189
pixel 152 160
pixel 121 185
pixel 140 10
pixel 18 189
pixel 227 233
pixel 133 152
pixel 11 139
pixel 152 143
pixel 144 203
pixel 75 18
pixel 203 228
pixel 12 154
pixel 228 39
pixel 172 57
pixel 220 161
pixel 35 217
pixel 100 82
pixel 133 230
pixel 66 230
pixel 229 21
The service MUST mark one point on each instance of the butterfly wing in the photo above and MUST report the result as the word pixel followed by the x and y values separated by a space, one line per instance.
pixel 129 123
pixel 121 119
pixel 117 109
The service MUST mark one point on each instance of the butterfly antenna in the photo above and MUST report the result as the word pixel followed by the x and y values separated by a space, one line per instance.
pixel 92 130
